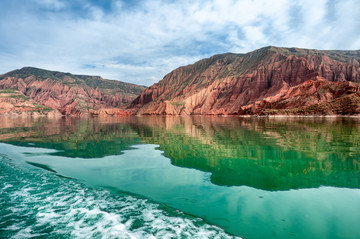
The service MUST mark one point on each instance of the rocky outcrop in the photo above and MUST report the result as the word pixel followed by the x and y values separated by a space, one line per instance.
pixel 67 93
pixel 15 103
pixel 312 97
pixel 110 112
pixel 264 81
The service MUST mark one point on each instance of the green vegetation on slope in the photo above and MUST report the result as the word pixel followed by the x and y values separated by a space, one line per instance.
pixel 69 79
pixel 21 101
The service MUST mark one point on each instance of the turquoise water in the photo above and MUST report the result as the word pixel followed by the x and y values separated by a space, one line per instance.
pixel 173 177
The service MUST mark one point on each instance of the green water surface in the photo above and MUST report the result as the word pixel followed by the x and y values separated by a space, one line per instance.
pixel 253 177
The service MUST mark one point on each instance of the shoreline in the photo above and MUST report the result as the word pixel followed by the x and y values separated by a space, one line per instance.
pixel 55 115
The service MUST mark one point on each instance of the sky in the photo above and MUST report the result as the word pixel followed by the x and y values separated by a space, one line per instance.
pixel 141 41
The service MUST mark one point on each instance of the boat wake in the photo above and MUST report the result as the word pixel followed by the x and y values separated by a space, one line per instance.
pixel 37 203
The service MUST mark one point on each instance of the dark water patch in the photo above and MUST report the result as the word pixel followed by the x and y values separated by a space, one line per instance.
pixel 43 166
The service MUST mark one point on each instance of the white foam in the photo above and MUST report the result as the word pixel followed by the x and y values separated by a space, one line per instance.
pixel 15 227
pixel 27 233
pixel 7 185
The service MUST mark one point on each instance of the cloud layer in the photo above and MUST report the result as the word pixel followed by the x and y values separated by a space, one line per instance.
pixel 141 41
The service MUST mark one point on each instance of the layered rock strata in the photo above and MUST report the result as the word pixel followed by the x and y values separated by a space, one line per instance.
pixel 270 80
pixel 70 94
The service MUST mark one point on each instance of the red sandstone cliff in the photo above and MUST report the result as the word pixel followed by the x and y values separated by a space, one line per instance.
pixel 270 80
pixel 15 103
pixel 70 94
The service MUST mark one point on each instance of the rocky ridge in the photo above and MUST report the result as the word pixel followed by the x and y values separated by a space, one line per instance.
pixel 267 81
pixel 71 94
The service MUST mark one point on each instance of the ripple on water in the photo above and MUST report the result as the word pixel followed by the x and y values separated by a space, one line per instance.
pixel 34 203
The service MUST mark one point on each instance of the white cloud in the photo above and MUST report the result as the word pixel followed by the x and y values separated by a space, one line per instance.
pixel 52 4
pixel 142 43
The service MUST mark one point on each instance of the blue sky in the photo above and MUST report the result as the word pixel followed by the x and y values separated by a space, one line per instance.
pixel 141 41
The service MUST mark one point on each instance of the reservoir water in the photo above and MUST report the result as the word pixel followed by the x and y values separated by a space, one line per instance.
pixel 180 177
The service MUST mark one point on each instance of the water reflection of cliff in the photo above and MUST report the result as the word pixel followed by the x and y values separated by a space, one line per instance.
pixel 270 154
pixel 71 137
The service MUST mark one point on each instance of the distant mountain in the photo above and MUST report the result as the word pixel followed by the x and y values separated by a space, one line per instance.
pixel 70 94
pixel 270 80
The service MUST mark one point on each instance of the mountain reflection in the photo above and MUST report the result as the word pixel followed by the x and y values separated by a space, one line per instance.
pixel 269 154
pixel 71 137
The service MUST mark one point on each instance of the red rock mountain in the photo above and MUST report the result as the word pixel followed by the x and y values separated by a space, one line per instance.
pixel 15 103
pixel 71 94
pixel 270 80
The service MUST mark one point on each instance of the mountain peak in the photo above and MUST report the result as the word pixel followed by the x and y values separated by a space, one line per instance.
pixel 26 68
pixel 338 55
